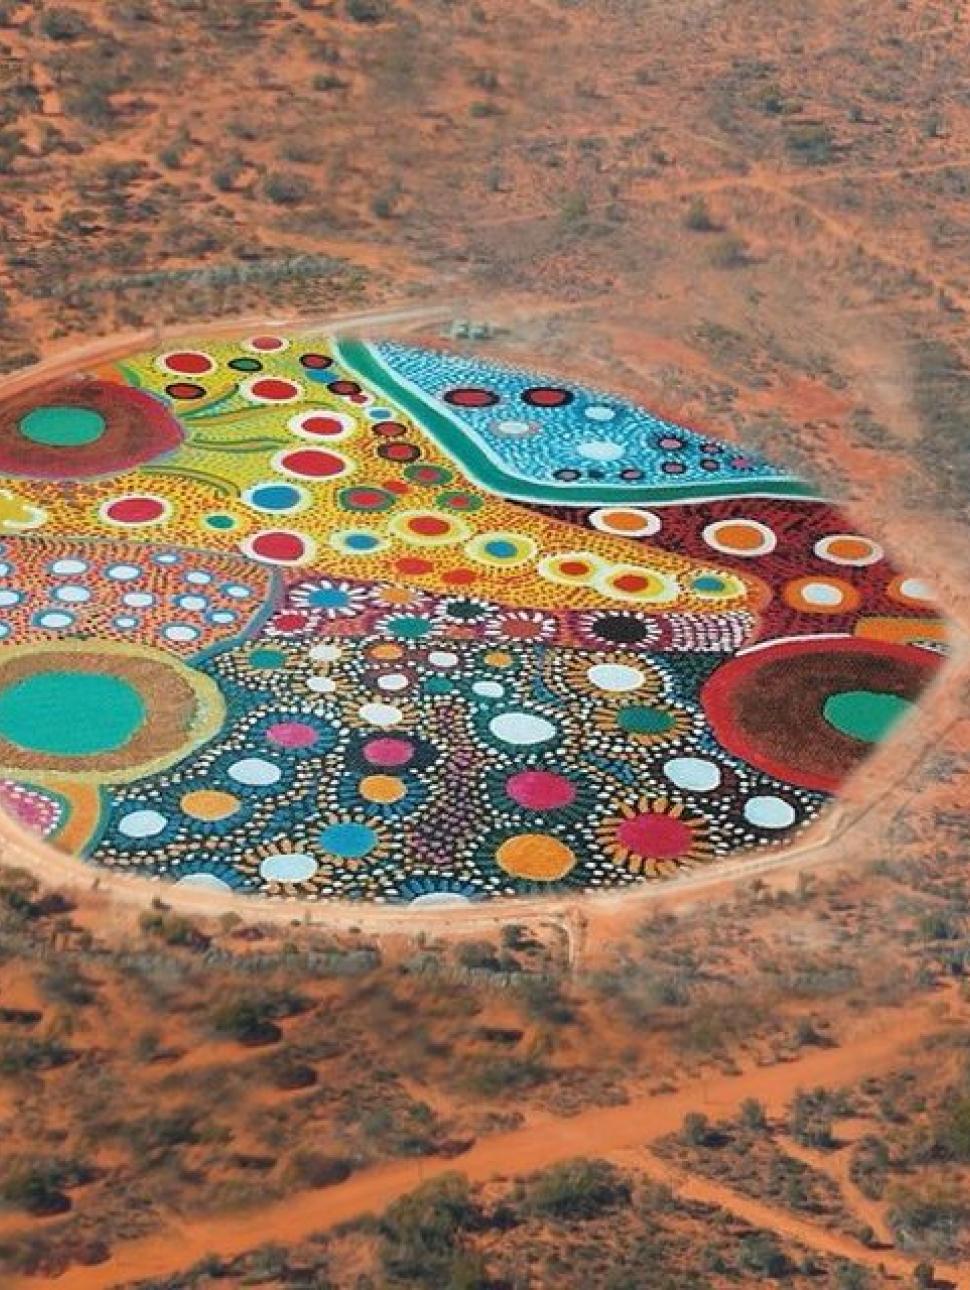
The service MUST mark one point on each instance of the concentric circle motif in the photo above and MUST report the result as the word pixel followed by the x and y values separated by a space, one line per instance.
pixel 742 538
pixel 314 618
pixel 808 711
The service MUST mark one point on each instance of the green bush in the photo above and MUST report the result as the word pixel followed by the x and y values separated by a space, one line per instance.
pixel 576 1190
pixel 63 24
pixel 367 10
pixel 285 188
pixel 422 1235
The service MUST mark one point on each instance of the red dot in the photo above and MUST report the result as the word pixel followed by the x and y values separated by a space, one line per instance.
pixel 659 837
pixel 344 387
pixel 266 343
pixel 290 622
pixel 274 388
pixel 413 565
pixel 428 526
pixel 278 544
pixel 631 582
pixel 395 451
pixel 547 396
pixel 540 790
pixel 389 752
pixel 390 429
pixel 574 568
pixel 316 361
pixel 368 498
pixel 323 425
pixel 459 577
pixel 395 486
pixel 189 362
pixel 471 396
pixel 313 463
pixel 135 510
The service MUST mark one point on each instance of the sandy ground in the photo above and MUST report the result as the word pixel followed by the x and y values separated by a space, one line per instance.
pixel 621 1132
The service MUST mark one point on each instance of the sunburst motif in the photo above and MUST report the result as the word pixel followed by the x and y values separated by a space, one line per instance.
pixel 655 837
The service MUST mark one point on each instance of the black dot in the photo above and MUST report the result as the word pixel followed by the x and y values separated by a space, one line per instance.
pixel 616 627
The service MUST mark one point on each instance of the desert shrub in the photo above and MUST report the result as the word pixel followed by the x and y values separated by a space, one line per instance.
pixel 285 188
pixel 39 1186
pixel 760 1252
pixel 422 1234
pixel 752 1115
pixel 501 1075
pixel 316 1169
pixel 698 218
pixel 18 1056
pixel 367 10
pixel 545 1001
pixel 696 1130
pixel 62 23
pixel 173 929
pixel 869 1167
pixel 575 1190
pixel 477 954
pixel 929 1220
pixel 810 143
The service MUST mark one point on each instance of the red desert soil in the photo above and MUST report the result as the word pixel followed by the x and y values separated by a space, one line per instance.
pixel 619 1131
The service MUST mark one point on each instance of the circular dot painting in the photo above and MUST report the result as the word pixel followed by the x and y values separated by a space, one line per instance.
pixel 312 617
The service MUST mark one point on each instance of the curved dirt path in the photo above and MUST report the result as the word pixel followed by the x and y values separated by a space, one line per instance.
pixel 603 1131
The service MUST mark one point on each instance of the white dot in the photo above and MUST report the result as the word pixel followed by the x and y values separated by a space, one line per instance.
pixel 288 866
pixel 769 812
pixel 10 597
pixel 441 899
pixel 325 653
pixel 618 678
pixel 55 619
pixel 488 689
pixel 123 572
pixel 321 684
pixel 69 566
pixel 693 773
pixel 600 449
pixel 512 429
pixel 141 824
pixel 917 589
pixel 166 559
pixel 5 568
pixel 181 633
pixel 380 714
pixel 138 599
pixel 205 881
pixel 442 658
pixel 521 728
pixel 72 595
pixel 223 616
pixel 197 578
pixel 125 621
pixel 5 630
pixel 598 412
pixel 254 770
pixel 821 593
pixel 237 591
pixel 192 602
pixel 393 682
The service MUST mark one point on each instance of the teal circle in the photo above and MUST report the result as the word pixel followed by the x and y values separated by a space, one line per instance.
pixel 866 715
pixel 220 521
pixel 70 714
pixel 266 658
pixel 643 720
pixel 708 582
pixel 409 627
pixel 62 426
pixel 438 685
pixel 349 840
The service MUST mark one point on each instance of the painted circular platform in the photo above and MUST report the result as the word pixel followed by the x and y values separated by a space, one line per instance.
pixel 314 617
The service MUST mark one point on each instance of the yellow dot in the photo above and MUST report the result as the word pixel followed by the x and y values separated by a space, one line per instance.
pixel 536 856
pixel 382 788
pixel 209 804
pixel 498 658
pixel 386 652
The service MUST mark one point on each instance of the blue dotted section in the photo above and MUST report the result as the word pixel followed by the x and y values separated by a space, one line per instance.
pixel 588 435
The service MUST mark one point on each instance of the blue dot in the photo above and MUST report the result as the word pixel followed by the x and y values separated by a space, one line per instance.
pixel 276 497
pixel 361 541
pixel 380 414
pixel 500 549
pixel 707 582
pixel 328 598
pixel 349 840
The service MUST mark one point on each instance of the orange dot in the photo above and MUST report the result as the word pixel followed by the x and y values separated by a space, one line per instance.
pixel 849 548
pixel 740 536
pixel 623 521
pixel 498 658
pixel 397 595
pixel 631 582
pixel 536 856
pixel 382 788
pixel 574 568
pixel 209 804
pixel 386 652
pixel 459 577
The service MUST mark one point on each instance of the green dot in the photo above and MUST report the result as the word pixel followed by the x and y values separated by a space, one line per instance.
pixel 641 720
pixel 220 521
pixel 408 627
pixel 62 427
pixel 70 714
pixel 866 715
pixel 267 658
pixel 438 685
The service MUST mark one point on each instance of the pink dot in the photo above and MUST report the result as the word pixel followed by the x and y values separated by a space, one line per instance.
pixel 292 734
pixel 135 510
pixel 389 752
pixel 540 790
pixel 660 837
